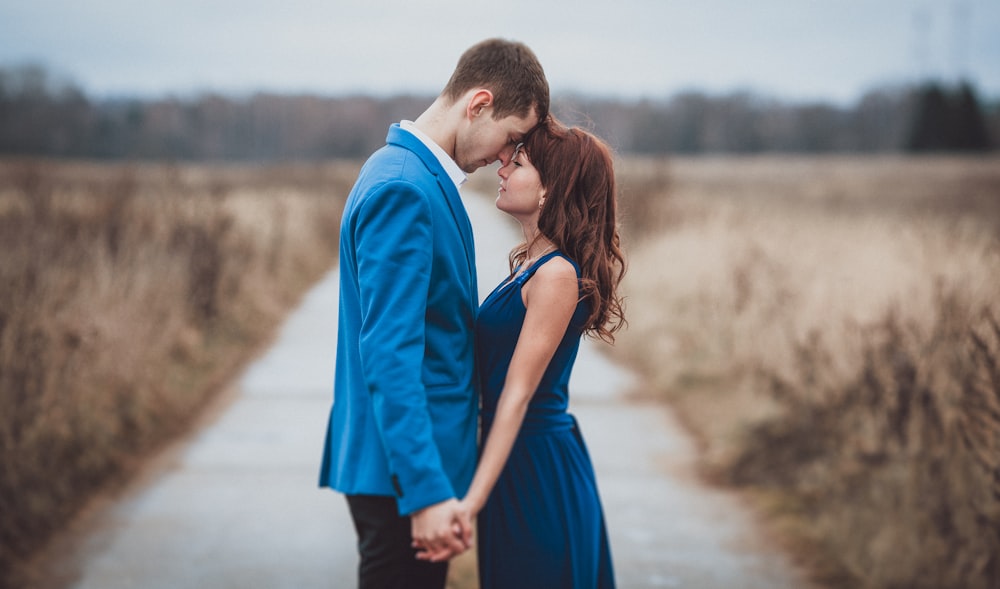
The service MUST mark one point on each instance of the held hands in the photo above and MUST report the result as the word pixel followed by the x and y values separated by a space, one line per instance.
pixel 442 531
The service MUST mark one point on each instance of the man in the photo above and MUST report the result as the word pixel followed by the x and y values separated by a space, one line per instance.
pixel 401 442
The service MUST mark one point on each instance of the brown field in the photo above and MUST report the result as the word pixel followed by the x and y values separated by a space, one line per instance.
pixel 129 296
pixel 829 329
pixel 826 327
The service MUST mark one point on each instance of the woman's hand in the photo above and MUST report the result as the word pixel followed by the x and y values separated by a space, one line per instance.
pixel 446 545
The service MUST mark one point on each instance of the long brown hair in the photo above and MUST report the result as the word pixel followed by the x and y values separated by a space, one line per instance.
pixel 579 216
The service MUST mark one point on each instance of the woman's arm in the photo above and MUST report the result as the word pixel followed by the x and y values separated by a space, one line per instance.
pixel 550 298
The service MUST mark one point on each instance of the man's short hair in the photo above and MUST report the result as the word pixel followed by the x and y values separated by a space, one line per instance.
pixel 510 71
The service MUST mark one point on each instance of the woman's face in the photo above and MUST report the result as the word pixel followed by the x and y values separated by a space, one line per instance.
pixel 521 190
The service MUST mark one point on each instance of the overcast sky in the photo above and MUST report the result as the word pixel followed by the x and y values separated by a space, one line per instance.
pixel 797 49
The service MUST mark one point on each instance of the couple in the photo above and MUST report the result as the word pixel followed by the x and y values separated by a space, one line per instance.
pixel 417 357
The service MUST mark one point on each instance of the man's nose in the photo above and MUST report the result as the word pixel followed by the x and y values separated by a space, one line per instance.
pixel 505 154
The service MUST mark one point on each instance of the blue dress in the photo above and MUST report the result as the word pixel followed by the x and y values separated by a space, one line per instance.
pixel 543 525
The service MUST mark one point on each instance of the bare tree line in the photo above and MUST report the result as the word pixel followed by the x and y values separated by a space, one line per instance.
pixel 43 116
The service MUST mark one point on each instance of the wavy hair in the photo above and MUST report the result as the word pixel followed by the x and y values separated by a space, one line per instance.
pixel 579 216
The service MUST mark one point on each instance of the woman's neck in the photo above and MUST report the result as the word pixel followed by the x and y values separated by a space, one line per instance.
pixel 537 247
pixel 537 244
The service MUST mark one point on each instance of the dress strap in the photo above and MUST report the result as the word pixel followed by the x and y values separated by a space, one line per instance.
pixel 524 276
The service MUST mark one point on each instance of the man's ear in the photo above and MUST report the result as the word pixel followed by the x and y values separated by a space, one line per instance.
pixel 479 102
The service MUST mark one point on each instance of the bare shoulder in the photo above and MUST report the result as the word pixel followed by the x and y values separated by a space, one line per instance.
pixel 556 268
pixel 554 282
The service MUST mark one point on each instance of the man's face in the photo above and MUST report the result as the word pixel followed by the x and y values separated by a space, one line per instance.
pixel 486 140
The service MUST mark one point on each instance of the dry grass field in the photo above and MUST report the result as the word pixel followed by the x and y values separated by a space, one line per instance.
pixel 129 296
pixel 829 329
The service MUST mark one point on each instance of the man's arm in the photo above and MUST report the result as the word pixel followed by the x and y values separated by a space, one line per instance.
pixel 394 238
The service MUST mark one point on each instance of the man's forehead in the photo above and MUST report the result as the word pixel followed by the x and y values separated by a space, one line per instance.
pixel 523 124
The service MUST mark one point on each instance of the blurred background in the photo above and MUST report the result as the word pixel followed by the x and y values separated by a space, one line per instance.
pixel 249 81
pixel 810 202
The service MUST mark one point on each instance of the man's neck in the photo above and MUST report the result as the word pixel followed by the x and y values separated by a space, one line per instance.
pixel 437 123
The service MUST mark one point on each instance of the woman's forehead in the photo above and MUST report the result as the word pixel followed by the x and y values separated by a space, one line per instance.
pixel 518 150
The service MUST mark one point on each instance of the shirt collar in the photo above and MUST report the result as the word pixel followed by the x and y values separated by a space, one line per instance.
pixel 450 167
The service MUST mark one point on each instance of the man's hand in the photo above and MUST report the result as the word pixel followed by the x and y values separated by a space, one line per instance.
pixel 442 531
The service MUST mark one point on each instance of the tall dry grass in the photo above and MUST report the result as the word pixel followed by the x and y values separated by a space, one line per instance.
pixel 129 294
pixel 828 327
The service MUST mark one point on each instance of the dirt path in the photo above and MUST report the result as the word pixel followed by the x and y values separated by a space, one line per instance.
pixel 237 504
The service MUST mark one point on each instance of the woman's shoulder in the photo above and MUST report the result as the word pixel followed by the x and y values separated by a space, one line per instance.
pixel 554 282
pixel 558 267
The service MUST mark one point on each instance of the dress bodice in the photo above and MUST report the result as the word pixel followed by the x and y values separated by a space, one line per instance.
pixel 498 327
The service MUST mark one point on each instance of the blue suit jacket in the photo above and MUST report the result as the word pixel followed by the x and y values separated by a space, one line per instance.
pixel 404 417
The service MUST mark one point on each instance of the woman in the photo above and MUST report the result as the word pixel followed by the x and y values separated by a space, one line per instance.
pixel 540 521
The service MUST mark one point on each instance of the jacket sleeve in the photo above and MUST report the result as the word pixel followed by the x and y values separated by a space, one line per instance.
pixel 394 238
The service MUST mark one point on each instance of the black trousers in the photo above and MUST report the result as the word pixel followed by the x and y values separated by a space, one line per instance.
pixel 388 560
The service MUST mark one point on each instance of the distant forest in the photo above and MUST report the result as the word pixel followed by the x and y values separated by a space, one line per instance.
pixel 44 116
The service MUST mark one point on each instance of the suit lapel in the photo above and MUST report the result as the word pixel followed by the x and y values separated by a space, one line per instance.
pixel 451 196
